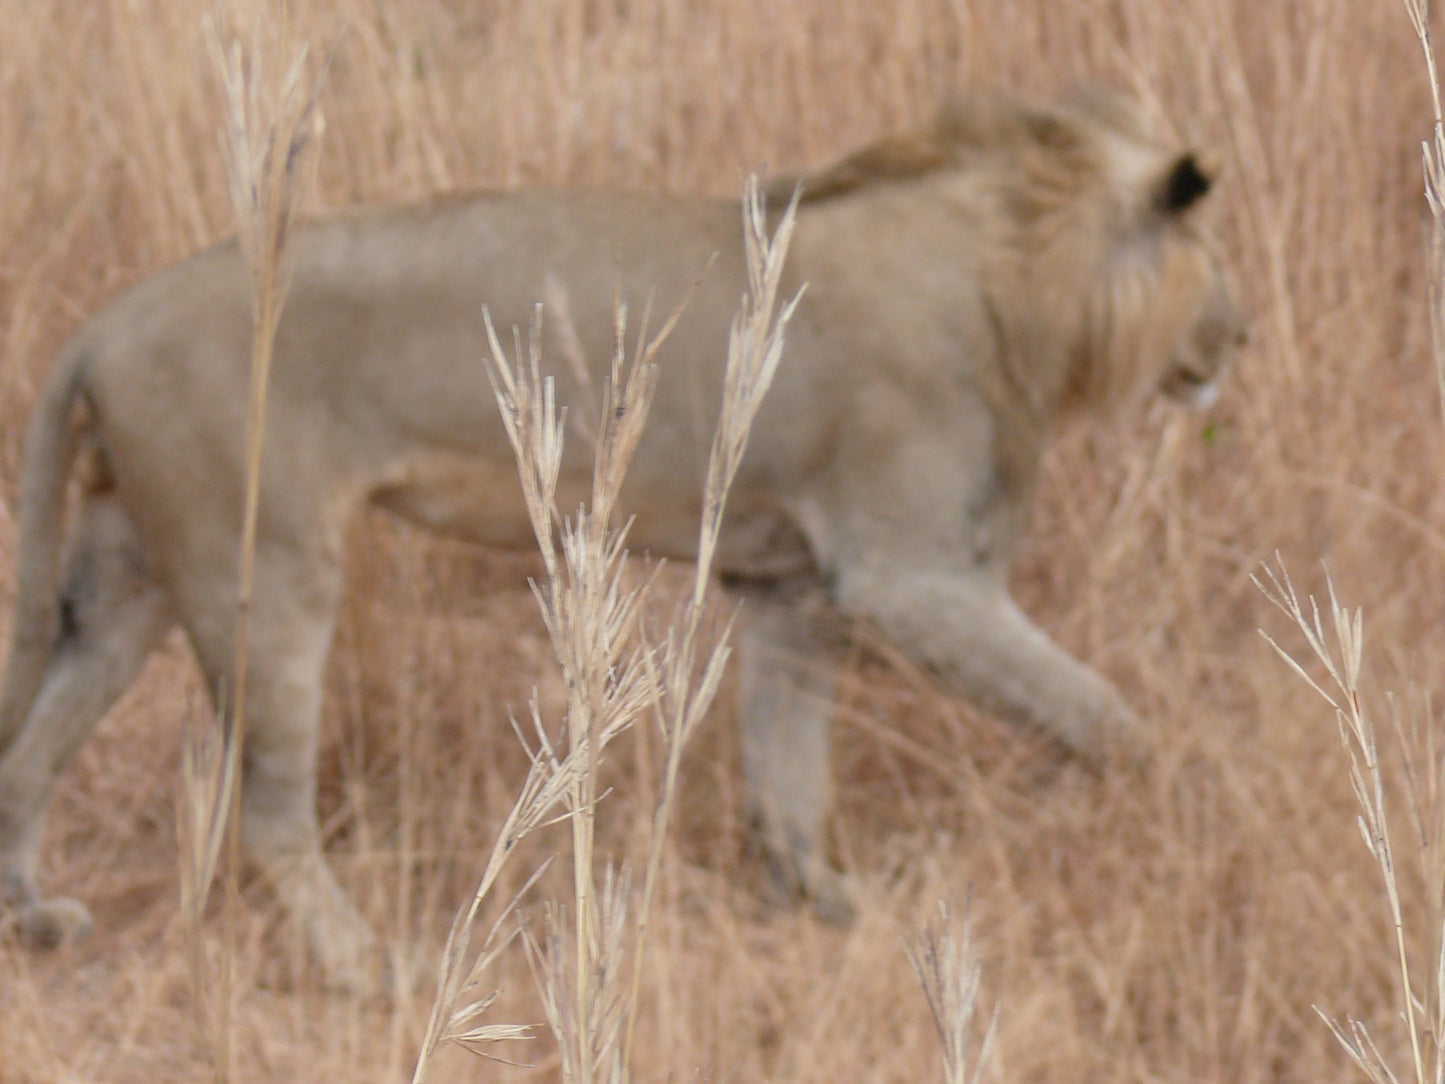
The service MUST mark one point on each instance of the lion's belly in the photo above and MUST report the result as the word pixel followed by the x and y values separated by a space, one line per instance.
pixel 480 500
pixel 471 499
pixel 764 543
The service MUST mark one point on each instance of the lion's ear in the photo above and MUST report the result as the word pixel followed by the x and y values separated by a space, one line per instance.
pixel 1184 184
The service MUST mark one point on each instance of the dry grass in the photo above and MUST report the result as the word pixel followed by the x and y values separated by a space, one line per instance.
pixel 589 966
pixel 1178 930
pixel 269 140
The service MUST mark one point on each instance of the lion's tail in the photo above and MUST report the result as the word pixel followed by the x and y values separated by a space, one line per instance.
pixel 50 449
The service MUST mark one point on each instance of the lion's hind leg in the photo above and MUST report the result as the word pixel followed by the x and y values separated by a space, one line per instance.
pixel 297 588
pixel 112 615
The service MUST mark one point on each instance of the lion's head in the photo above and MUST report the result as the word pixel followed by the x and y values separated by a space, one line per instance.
pixel 1101 278
pixel 1117 213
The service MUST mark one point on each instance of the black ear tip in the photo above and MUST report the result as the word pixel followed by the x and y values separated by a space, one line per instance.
pixel 1185 186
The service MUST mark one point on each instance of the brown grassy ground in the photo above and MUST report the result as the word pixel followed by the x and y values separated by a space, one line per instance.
pixel 1177 928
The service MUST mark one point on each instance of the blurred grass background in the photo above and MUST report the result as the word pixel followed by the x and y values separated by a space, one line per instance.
pixel 1177 928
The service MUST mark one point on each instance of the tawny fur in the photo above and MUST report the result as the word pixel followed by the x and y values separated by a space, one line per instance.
pixel 967 285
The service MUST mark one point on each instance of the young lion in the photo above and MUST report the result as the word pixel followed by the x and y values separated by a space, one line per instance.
pixel 967 285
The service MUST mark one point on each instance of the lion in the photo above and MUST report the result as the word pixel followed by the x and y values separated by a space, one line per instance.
pixel 967 286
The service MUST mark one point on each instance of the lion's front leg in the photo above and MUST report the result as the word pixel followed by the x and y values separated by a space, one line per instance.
pixel 786 687
pixel 967 629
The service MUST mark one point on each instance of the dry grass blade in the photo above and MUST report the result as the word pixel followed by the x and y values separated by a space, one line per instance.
pixel 535 428
pixel 592 617
pixel 1357 1042
pixel 626 399
pixel 755 347
pixel 1342 663
pixel 1426 791
pixel 271 142
pixel 548 784
pixel 204 775
pixel 586 1012
pixel 943 958
pixel 202 802
pixel 1432 152
pixel 685 689
pixel 1413 723
pixel 558 306
pixel 1343 668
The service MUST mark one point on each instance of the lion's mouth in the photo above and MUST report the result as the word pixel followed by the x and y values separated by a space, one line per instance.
pixel 1191 388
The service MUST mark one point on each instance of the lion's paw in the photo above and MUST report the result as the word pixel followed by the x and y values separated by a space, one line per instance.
pixel 831 894
pixel 834 896
pixel 53 923
pixel 1127 742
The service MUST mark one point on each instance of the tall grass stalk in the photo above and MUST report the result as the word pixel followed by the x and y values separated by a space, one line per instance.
pixel 1432 152
pixel 270 139
pixel 685 689
pixel 458 1007
pixel 592 617
pixel 1337 643
pixel 613 673
pixel 944 961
